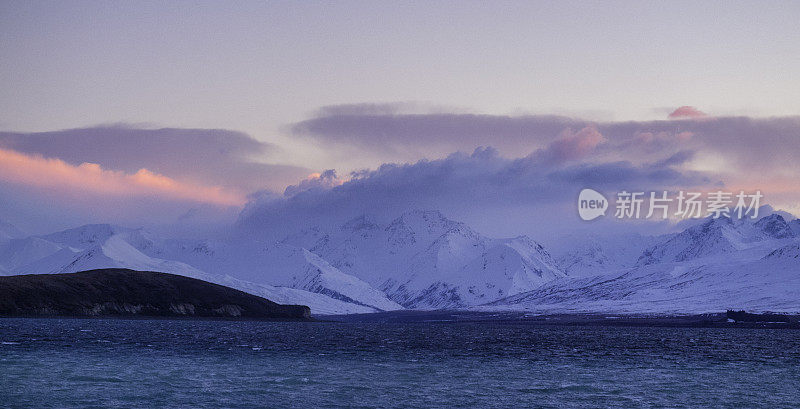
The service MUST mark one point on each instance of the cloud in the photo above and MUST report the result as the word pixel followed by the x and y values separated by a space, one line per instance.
pixel 389 134
pixel 484 189
pixel 687 112
pixel 573 145
pixel 493 186
pixel 385 134
pixel 215 156
pixel 390 108
pixel 525 183
pixel 324 180
pixel 91 178
pixel 677 159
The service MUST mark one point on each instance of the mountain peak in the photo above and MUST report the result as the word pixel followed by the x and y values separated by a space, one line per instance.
pixel 773 216
pixel 424 220
pixel 775 226
pixel 362 222
pixel 711 237
pixel 719 221
pixel 524 239
pixel 88 234
pixel 95 227
pixel 423 214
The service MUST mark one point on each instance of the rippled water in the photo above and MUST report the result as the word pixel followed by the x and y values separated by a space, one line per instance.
pixel 163 363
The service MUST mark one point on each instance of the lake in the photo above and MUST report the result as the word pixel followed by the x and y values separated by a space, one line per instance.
pixel 210 364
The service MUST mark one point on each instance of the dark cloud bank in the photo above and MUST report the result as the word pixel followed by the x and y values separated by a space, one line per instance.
pixel 510 175
pixel 529 183
pixel 384 131
pixel 495 194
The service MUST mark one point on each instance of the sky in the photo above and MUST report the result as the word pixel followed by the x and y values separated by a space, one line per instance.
pixel 205 113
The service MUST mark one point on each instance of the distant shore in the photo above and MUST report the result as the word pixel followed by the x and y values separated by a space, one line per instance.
pixel 711 320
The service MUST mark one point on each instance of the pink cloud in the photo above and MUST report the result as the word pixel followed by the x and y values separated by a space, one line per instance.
pixel 325 180
pixel 575 145
pixel 57 175
pixel 687 112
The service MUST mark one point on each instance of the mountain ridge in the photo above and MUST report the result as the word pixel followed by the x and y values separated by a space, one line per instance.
pixel 423 260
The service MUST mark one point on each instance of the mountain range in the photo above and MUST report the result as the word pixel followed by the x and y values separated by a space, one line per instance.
pixel 423 260
pixel 715 265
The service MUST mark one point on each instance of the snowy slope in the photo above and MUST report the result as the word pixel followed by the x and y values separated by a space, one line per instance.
pixel 507 268
pixel 774 227
pixel 716 236
pixel 275 264
pixel 113 252
pixel 711 267
pixel 104 246
pixel 85 236
pixel 764 285
pixel 423 260
pixel 787 253
pixel 8 231
pixel 592 254
pixel 19 252
pixel 795 226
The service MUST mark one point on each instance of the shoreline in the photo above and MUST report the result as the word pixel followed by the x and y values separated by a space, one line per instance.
pixel 710 320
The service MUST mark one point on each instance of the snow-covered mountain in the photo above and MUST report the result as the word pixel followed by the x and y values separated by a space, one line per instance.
pixel 424 260
pixel 8 231
pixel 297 276
pixel 795 226
pixel 771 284
pixel 506 268
pixel 276 264
pixel 593 254
pixel 715 236
pixel 787 252
pixel 715 265
pixel 774 226
pixel 19 252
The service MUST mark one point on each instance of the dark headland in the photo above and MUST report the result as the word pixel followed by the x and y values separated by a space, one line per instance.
pixel 129 293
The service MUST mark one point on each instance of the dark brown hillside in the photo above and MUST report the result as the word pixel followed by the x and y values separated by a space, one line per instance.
pixel 121 292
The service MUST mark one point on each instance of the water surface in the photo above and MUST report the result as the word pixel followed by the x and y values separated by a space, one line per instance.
pixel 189 363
